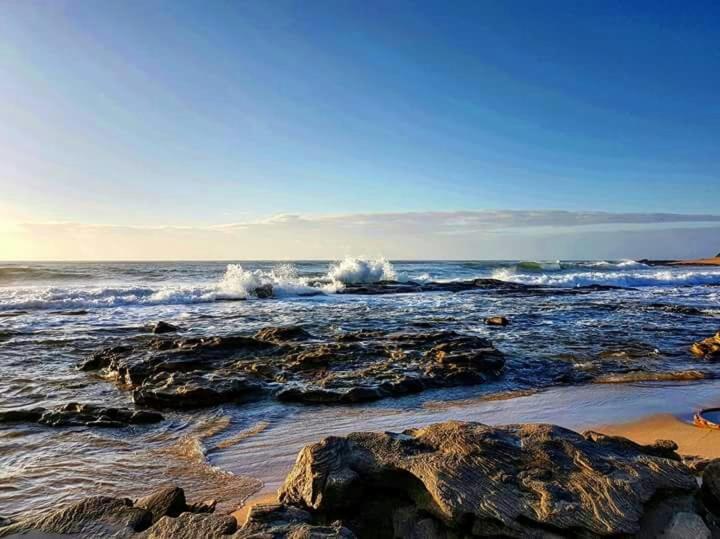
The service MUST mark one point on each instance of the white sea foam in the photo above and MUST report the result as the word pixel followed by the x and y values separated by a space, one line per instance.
pixel 236 283
pixel 362 270
pixel 639 278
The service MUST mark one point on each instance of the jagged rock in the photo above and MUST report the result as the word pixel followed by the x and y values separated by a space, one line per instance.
pixel 497 321
pixel 294 365
pixel 88 415
pixel 99 516
pixel 279 521
pixel 514 481
pixel 192 526
pixel 163 327
pixel 496 285
pixel 686 526
pixel 707 348
pixel 283 334
pixel 169 501
pixel 194 390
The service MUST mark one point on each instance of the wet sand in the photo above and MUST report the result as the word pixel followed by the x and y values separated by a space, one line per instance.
pixel 643 412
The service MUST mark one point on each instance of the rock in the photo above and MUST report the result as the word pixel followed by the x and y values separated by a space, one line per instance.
pixel 497 321
pixel 31 415
pixel 294 365
pixel 193 526
pixel 283 334
pixel 163 327
pixel 264 292
pixel 515 481
pixel 708 348
pixel 711 485
pixel 686 526
pixel 169 501
pixel 86 415
pixel 696 464
pixel 99 516
pixel 274 520
pixel 194 390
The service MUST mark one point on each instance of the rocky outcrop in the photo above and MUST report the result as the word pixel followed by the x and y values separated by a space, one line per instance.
pixel 707 348
pixel 468 479
pixel 496 285
pixel 165 515
pixel 293 365
pixel 275 520
pixel 497 321
pixel 99 516
pixel 192 526
pixel 163 327
pixel 86 415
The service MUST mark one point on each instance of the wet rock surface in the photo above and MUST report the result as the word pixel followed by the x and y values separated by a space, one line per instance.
pixel 466 479
pixel 86 415
pixel 293 365
pixel 496 285
pixel 707 348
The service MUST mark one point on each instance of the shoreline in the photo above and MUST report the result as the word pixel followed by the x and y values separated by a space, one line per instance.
pixel 642 412
pixel 713 261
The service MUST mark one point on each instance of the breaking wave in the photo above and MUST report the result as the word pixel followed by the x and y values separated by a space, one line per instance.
pixel 237 283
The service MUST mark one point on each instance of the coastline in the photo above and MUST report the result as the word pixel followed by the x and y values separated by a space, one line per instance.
pixel 713 261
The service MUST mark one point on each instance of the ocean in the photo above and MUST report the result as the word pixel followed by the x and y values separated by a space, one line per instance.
pixel 569 358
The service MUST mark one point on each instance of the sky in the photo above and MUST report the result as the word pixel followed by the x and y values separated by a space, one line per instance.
pixel 278 130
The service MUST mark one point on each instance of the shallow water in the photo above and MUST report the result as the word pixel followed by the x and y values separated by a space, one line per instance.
pixel 54 315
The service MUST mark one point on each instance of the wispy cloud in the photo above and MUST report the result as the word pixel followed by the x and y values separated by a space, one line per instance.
pixel 451 234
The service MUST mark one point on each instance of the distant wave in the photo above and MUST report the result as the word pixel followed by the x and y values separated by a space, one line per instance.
pixel 362 270
pixel 28 274
pixel 616 278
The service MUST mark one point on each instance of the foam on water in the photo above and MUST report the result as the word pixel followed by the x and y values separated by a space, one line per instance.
pixel 362 270
pixel 635 279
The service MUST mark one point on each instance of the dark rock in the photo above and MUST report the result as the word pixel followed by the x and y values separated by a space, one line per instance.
pixel 274 520
pixel 193 526
pixel 497 321
pixel 264 292
pixel 169 501
pixel 163 327
pixel 31 415
pixel 708 348
pixel 194 390
pixel 660 448
pixel 294 365
pixel 686 525
pixel 87 415
pixel 93 517
pixel 711 486
pixel 282 334
pixel 461 478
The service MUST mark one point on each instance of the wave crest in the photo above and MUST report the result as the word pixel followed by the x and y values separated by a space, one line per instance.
pixel 362 271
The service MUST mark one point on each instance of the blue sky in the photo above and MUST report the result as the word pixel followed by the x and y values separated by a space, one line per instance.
pixel 203 113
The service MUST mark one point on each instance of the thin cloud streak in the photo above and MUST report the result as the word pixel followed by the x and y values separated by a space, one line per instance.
pixel 453 234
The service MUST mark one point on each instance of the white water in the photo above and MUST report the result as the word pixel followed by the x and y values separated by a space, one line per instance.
pixel 106 286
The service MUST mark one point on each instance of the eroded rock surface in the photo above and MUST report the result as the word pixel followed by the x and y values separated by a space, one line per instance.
pixel 74 414
pixel 293 365
pixel 708 348
pixel 468 479
pixel 496 285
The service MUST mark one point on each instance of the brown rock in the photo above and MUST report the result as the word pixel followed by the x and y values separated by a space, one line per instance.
pixel 193 526
pixel 169 501
pixel 708 348
pixel 515 480
pixel 93 517
pixel 497 321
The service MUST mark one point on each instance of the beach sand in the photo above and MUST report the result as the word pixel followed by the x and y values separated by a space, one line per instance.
pixel 691 440
pixel 715 261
